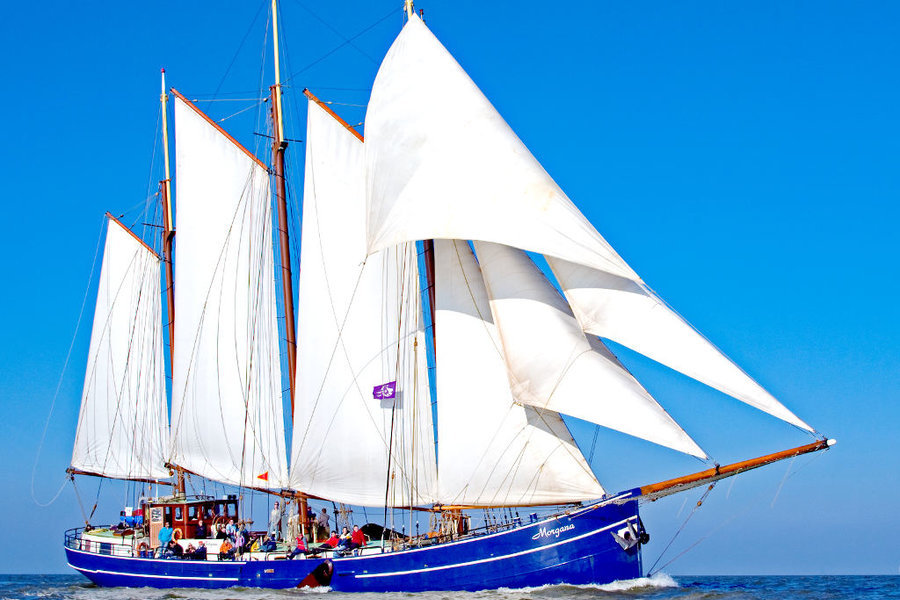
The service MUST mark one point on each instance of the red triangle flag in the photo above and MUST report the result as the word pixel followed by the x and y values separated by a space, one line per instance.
pixel 264 476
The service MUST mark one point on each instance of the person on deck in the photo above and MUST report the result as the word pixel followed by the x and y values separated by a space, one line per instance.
pixel 322 523
pixel 300 548
pixel 275 520
pixel 199 553
pixel 231 530
pixel 241 539
pixel 200 532
pixel 165 535
pixel 331 542
pixel 344 541
pixel 220 532
pixel 173 550
pixel 270 545
pixel 226 550
pixel 357 538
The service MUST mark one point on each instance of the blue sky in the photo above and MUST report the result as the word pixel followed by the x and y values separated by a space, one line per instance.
pixel 740 156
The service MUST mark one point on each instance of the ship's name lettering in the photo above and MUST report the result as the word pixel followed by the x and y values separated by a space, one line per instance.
pixel 543 532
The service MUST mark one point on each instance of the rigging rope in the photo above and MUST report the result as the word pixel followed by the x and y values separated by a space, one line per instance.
pixel 680 529
pixel 37 455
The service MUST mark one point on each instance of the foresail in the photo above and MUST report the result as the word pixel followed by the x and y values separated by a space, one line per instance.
pixel 494 451
pixel 123 425
pixel 227 422
pixel 626 312
pixel 360 327
pixel 552 365
pixel 442 163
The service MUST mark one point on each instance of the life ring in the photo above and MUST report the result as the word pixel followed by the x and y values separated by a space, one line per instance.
pixel 177 534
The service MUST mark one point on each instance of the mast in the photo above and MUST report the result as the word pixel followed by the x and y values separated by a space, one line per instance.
pixel 279 145
pixel 165 189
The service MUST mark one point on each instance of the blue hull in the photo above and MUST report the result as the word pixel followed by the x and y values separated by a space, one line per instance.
pixel 574 548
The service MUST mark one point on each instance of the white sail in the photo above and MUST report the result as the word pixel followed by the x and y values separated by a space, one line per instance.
pixel 122 426
pixel 493 450
pixel 551 364
pixel 442 163
pixel 227 422
pixel 360 326
pixel 624 311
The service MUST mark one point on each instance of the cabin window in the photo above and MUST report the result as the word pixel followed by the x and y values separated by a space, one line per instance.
pixel 178 513
pixel 192 512
pixel 168 518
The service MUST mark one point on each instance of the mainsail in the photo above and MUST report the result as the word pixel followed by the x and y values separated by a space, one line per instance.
pixel 122 426
pixel 494 451
pixel 360 327
pixel 227 422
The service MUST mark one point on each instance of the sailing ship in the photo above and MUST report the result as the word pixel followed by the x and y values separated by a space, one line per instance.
pixel 417 248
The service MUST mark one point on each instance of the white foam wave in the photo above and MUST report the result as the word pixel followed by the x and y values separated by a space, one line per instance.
pixel 657 580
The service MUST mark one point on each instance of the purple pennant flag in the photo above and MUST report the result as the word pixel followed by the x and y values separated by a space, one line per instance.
pixel 385 390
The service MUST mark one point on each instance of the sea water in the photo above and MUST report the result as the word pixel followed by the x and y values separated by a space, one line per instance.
pixel 658 587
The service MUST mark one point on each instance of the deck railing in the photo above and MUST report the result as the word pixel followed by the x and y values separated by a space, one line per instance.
pixel 74 538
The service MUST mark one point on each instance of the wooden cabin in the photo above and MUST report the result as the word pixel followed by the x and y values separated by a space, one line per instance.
pixel 184 514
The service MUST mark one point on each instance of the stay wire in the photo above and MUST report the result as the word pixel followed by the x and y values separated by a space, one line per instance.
pixel 680 529
pixel 60 381
pixel 346 42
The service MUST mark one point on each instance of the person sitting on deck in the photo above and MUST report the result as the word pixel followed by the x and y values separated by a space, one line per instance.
pixel 199 553
pixel 343 545
pixel 200 532
pixel 226 550
pixel 331 542
pixel 357 538
pixel 269 545
pixel 220 532
pixel 173 550
pixel 300 548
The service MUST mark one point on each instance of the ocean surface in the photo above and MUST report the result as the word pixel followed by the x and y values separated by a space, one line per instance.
pixel 658 587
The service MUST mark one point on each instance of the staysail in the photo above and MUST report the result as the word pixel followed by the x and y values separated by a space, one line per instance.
pixel 123 425
pixel 360 327
pixel 442 163
pixel 552 364
pixel 494 451
pixel 629 313
pixel 227 422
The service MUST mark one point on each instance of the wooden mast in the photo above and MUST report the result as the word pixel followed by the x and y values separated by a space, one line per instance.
pixel 279 145
pixel 165 191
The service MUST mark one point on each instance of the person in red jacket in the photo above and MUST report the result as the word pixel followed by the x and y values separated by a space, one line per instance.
pixel 331 542
pixel 357 538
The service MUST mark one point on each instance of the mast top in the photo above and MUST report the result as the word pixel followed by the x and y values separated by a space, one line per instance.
pixel 408 7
